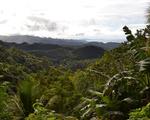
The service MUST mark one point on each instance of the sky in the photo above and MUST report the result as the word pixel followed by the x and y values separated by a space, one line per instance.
pixel 95 20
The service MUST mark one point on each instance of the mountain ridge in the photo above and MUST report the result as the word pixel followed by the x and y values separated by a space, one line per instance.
pixel 58 54
pixel 55 41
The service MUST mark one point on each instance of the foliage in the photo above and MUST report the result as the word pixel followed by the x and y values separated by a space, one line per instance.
pixel 41 113
pixel 4 97
pixel 141 113
pixel 29 91
pixel 126 85
pixel 114 87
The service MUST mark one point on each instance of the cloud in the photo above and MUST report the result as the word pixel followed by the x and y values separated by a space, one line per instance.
pixel 3 21
pixel 94 19
pixel 39 23
pixel 33 27
pixel 79 34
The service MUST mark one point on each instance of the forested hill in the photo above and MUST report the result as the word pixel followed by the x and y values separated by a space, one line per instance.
pixel 14 56
pixel 57 54
pixel 113 87
pixel 88 52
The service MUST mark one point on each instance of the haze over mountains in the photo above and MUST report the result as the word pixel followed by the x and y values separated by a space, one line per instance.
pixel 54 41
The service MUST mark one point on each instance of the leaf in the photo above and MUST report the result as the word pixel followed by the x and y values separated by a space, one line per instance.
pixel 145 65
pixel 1 76
pixel 128 100
pixel 96 93
pixel 88 112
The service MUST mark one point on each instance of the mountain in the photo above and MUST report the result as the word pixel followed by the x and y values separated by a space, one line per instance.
pixel 35 39
pixel 89 52
pixel 72 53
pixel 106 46
pixel 62 42
pixel 58 54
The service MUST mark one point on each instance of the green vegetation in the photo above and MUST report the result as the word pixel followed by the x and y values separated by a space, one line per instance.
pixel 72 57
pixel 114 87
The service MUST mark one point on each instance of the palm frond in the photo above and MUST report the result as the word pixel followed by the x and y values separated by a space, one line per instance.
pixel 145 65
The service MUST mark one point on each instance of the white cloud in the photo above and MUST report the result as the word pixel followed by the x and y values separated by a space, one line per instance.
pixel 94 19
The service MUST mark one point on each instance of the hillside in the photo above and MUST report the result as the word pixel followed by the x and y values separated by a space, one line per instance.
pixel 15 56
pixel 59 54
pixel 88 52
pixel 75 60
pixel 113 87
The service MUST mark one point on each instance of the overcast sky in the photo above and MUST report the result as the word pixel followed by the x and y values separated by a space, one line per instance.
pixel 78 19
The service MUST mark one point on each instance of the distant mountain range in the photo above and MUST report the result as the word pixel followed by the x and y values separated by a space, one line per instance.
pixel 53 41
pixel 58 53
pixel 73 53
pixel 44 40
